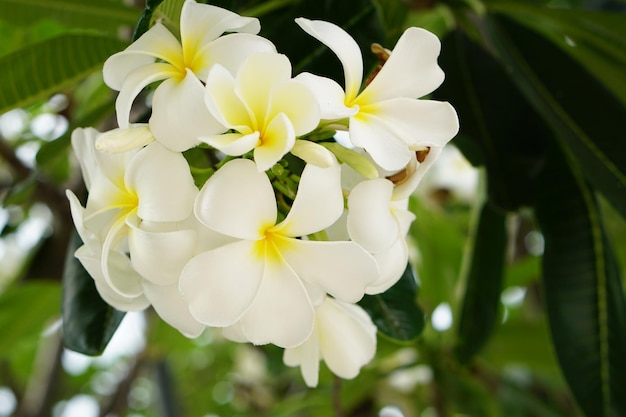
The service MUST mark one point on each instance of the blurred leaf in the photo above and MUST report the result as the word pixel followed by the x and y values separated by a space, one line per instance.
pixel 88 322
pixel 483 283
pixel 102 15
pixel 392 15
pixel 583 293
pixel 568 99
pixel 395 312
pixel 42 69
pixel 25 310
pixel 596 40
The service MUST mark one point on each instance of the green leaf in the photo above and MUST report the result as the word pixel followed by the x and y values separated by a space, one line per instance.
pixel 569 99
pixel 511 144
pixel 42 69
pixel 88 322
pixel 596 40
pixel 583 293
pixel 165 11
pixel 101 15
pixel 25 310
pixel 479 312
pixel 392 15
pixel 395 312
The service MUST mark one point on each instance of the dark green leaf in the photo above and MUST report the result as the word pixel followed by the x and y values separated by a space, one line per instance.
pixel 88 322
pixel 395 312
pixel 508 139
pixel 392 15
pixel 479 312
pixel 584 116
pixel 42 69
pixel 583 293
pixel 165 11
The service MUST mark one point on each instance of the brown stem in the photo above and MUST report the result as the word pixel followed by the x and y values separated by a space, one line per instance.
pixel 118 402
pixel 337 397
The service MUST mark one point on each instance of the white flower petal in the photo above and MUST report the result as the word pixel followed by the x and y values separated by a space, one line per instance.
pixel 83 144
pixel 160 256
pixel 77 211
pixel 257 77
pixel 221 284
pixel 391 264
pixel 386 149
pixel 134 83
pixel 329 95
pixel 347 337
pixel 170 305
pixel 237 201
pixel 277 140
pixel 318 203
pixel 123 140
pixel 370 221
pixel 234 144
pixel 223 102
pixel 123 280
pixel 307 357
pixel 313 153
pixel 418 123
pixel 163 194
pixel 235 333
pixel 344 46
pixel 281 312
pixel 202 23
pixel 155 43
pixel 231 50
pixel 411 70
pixel 417 171
pixel 179 114
pixel 342 269
pixel 297 102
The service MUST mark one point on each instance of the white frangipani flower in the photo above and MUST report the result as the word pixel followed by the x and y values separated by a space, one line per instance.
pixel 264 107
pixel 385 118
pixel 261 282
pixel 344 337
pixel 379 219
pixel 178 113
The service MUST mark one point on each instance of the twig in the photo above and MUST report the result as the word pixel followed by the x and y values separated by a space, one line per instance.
pixel 118 402
pixel 337 397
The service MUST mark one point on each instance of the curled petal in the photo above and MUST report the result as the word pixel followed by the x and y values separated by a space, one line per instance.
pixel 164 195
pixel 170 305
pixel 77 212
pixel 278 139
pixel 123 280
pixel 231 50
pixel 237 201
pixel 156 43
pixel 347 337
pixel 160 256
pixel 281 312
pixel 370 221
pixel 344 46
pixel 318 203
pixel 83 144
pixel 411 70
pixel 297 102
pixel 221 284
pixel 342 269
pixel 134 83
pixel 223 102
pixel 313 153
pixel 386 149
pixel 123 140
pixel 418 123
pixel 391 264
pixel 179 115
pixel 329 95
pixel 234 144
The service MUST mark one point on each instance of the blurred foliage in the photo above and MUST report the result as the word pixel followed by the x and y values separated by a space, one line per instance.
pixel 530 271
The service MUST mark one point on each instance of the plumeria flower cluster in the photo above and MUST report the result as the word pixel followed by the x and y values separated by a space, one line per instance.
pixel 280 231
